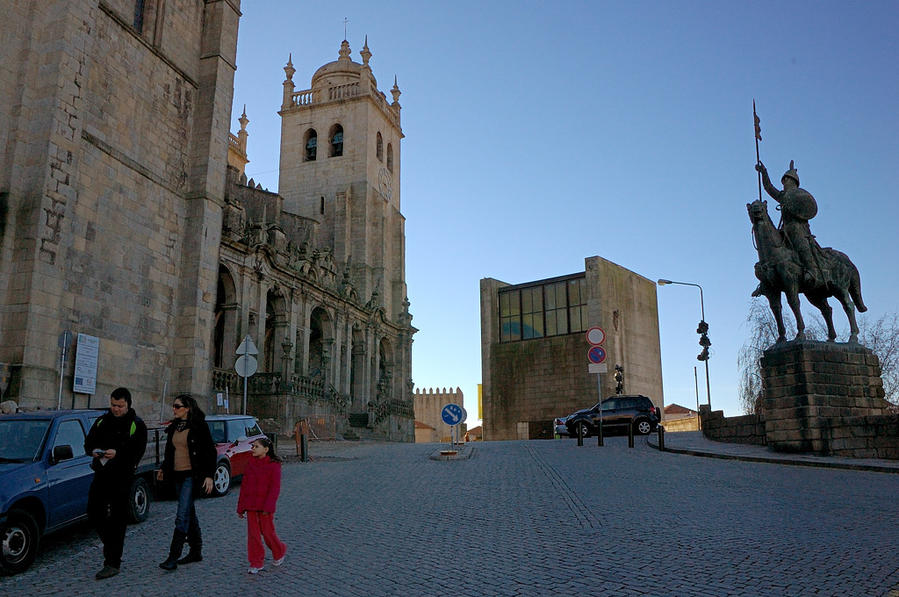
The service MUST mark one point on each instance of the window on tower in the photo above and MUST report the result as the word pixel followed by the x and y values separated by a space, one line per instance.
pixel 336 141
pixel 379 148
pixel 311 145
pixel 390 157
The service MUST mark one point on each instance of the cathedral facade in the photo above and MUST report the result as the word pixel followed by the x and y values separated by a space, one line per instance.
pixel 130 246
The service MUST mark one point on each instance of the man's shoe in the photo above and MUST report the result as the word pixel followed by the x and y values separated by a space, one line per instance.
pixel 191 557
pixel 106 572
pixel 170 564
pixel 278 562
pixel 253 570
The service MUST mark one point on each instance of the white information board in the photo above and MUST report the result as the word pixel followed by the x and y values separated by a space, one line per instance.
pixel 86 356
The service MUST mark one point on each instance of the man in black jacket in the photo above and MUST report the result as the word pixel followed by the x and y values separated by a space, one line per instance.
pixel 117 441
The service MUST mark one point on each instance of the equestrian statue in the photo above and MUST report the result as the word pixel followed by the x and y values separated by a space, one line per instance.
pixel 792 262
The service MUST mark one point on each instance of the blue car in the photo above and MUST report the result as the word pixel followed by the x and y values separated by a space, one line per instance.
pixel 45 476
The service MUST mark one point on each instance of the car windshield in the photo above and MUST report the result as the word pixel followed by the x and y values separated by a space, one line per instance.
pixel 21 439
pixel 217 429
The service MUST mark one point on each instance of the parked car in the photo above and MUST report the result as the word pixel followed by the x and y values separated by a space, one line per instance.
pixel 45 476
pixel 233 436
pixel 617 413
pixel 559 426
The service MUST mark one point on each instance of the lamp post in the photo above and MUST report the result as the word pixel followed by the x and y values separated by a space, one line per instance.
pixel 704 341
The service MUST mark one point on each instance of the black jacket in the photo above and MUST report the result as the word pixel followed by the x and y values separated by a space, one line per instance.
pixel 127 435
pixel 199 445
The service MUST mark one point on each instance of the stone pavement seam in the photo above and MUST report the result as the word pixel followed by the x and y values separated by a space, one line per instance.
pixel 580 510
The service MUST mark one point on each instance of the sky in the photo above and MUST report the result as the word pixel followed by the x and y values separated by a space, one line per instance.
pixel 541 133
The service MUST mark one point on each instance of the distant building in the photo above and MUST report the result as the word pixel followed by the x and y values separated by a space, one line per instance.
pixel 429 405
pixel 534 347
pixel 681 418
pixel 424 433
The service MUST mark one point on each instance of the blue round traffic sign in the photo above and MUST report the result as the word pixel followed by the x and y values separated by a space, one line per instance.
pixel 452 414
pixel 596 354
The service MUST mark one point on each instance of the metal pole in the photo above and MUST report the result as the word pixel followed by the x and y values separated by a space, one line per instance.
pixel 758 137
pixel 696 386
pixel 62 365
pixel 708 391
pixel 246 351
pixel 599 438
pixel 165 390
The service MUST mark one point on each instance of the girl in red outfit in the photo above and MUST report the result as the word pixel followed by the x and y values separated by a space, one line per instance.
pixel 258 496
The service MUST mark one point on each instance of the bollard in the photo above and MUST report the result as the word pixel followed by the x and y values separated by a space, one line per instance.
pixel 630 435
pixel 580 434
pixel 304 449
pixel 661 438
pixel 599 435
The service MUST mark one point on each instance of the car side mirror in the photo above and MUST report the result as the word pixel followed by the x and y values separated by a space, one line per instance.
pixel 61 453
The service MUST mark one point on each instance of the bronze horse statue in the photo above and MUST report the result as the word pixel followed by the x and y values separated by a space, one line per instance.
pixel 780 271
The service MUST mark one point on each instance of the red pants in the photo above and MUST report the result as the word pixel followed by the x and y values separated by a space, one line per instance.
pixel 262 526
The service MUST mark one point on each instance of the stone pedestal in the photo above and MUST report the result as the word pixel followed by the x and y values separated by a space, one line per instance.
pixel 808 384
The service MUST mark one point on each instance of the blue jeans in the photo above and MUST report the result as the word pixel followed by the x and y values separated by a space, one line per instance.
pixel 186 516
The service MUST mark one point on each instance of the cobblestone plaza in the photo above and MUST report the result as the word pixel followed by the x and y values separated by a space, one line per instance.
pixel 520 518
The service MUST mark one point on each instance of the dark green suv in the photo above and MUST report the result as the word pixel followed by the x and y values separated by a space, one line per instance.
pixel 617 413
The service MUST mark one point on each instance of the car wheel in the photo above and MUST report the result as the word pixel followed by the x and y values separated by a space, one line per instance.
pixel 221 479
pixel 18 541
pixel 643 427
pixel 139 500
pixel 584 429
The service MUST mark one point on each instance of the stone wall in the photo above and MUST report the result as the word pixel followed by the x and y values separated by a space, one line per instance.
pixel 747 429
pixel 863 437
pixel 820 397
pixel 111 185
pixel 808 383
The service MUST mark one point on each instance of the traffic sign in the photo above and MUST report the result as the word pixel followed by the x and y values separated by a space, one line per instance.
pixel 596 354
pixel 452 414
pixel 595 336
pixel 246 365
pixel 247 347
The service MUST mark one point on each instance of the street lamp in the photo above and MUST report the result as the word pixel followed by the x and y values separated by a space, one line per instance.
pixel 703 340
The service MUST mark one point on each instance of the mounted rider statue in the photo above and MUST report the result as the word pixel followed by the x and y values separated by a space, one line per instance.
pixel 797 207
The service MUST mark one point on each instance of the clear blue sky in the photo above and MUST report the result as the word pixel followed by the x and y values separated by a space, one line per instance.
pixel 541 133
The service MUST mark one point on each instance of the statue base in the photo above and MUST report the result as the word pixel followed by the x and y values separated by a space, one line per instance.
pixel 809 383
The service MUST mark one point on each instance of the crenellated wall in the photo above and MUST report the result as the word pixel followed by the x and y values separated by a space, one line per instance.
pixel 429 405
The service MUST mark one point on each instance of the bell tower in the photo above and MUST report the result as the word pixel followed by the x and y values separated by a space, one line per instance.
pixel 340 165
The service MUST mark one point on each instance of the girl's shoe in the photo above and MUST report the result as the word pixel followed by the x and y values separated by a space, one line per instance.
pixel 252 570
pixel 279 561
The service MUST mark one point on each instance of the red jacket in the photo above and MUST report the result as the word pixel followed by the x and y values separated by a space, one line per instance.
pixel 260 486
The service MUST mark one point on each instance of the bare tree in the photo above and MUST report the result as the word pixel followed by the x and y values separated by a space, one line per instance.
pixel 881 337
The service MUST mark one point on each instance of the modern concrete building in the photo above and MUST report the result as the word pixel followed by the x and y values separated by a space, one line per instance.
pixel 534 364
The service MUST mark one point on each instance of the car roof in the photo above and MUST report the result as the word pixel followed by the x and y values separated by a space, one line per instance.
pixel 50 414
pixel 228 417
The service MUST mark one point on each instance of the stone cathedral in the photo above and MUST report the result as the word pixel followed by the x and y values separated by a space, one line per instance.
pixel 133 243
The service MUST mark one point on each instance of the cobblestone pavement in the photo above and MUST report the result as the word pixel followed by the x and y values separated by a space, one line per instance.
pixel 520 518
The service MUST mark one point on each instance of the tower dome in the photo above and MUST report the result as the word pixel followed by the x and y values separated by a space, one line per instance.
pixel 339 72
